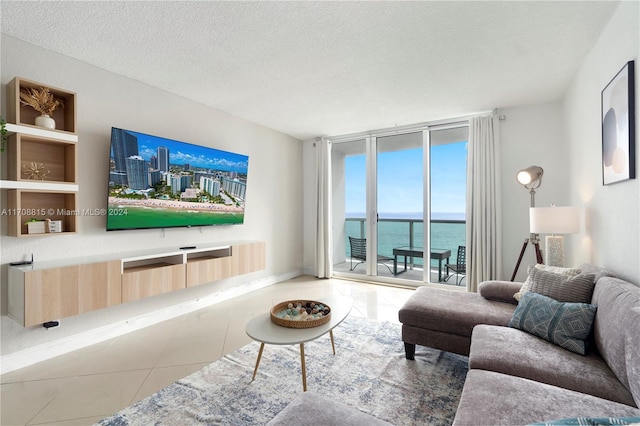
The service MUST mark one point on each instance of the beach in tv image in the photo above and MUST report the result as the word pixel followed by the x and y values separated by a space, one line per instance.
pixel 161 183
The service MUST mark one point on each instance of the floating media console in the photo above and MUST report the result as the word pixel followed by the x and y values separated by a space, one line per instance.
pixel 47 291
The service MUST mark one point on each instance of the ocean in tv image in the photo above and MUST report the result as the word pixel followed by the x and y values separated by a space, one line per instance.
pixel 156 182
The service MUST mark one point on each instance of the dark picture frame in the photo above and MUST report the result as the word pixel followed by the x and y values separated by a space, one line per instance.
pixel 618 127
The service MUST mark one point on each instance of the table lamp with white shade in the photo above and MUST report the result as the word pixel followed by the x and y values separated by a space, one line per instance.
pixel 554 220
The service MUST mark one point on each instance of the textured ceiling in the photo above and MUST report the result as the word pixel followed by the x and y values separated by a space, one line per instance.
pixel 325 68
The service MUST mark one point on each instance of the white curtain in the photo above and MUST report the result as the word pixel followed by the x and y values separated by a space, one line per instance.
pixel 484 203
pixel 324 256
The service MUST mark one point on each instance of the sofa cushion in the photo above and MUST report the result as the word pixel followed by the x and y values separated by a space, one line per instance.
pixel 575 288
pixel 451 311
pixel 599 272
pixel 310 408
pixel 443 341
pixel 615 299
pixel 501 291
pixel 524 355
pixel 565 324
pixel 490 398
pixel 632 353
pixel 526 286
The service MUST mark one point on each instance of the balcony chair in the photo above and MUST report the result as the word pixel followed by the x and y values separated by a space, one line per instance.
pixel 459 269
pixel 359 253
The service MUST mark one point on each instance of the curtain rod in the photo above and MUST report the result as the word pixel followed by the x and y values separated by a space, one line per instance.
pixel 453 121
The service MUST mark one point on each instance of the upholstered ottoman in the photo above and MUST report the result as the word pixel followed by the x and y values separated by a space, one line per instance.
pixel 444 319
pixel 322 411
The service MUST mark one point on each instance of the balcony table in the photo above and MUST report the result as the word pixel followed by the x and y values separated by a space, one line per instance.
pixel 437 254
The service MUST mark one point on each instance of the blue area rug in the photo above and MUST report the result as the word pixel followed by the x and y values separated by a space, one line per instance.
pixel 368 372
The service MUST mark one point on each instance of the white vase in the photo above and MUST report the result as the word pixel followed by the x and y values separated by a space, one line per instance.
pixel 45 121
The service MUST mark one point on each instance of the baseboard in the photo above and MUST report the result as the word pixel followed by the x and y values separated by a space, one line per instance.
pixel 39 353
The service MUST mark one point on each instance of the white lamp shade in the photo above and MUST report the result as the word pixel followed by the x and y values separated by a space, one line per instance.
pixel 554 220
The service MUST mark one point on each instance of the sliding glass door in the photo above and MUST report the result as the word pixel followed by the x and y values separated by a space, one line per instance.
pixel 400 204
pixel 349 179
pixel 447 193
pixel 386 187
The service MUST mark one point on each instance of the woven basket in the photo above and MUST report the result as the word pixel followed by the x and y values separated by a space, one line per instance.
pixel 298 324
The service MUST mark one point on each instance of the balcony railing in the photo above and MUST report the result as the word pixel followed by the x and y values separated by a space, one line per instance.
pixel 445 234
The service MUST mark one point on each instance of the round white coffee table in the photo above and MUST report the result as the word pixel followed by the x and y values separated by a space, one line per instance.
pixel 263 330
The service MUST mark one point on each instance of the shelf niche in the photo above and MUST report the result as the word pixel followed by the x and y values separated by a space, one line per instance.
pixel 58 158
pixel 64 116
pixel 27 204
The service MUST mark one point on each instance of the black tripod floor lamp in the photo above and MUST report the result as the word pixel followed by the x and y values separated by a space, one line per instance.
pixel 530 178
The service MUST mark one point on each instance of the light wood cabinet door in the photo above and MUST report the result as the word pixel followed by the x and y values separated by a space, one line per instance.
pixel 140 282
pixel 247 258
pixel 206 270
pixel 55 293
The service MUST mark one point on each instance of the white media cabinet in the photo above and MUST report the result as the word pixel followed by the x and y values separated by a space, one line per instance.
pixel 51 290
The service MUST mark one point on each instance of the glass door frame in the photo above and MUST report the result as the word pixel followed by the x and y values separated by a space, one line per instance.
pixel 371 209
pixel 371 215
pixel 371 147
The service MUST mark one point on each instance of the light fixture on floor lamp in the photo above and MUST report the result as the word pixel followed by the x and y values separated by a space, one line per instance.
pixel 531 179
pixel 554 220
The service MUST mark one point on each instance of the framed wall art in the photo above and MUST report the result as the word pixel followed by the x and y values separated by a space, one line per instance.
pixel 618 127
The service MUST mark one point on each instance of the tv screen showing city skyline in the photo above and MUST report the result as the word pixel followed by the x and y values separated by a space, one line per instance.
pixel 156 182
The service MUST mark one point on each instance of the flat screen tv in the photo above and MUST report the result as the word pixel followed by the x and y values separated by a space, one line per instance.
pixel 162 183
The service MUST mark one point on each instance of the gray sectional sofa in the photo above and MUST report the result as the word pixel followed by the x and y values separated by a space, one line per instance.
pixel 516 377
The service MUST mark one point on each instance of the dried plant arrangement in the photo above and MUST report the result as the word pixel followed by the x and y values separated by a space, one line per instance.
pixel 42 100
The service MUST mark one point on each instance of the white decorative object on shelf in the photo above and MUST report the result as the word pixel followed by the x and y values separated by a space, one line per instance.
pixel 36 227
pixel 54 225
pixel 45 121
pixel 43 101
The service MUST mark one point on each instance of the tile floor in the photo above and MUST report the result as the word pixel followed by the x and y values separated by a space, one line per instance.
pixel 84 386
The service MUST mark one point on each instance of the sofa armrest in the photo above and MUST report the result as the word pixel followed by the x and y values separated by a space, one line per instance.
pixel 501 291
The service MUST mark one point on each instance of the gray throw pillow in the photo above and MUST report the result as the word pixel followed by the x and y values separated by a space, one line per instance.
pixel 577 288
pixel 541 266
pixel 566 324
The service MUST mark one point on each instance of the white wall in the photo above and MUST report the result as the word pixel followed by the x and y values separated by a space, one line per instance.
pixel 611 237
pixel 274 189
pixel 530 135
pixel 310 206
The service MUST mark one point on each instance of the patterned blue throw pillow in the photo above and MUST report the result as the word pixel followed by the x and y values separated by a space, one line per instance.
pixel 565 324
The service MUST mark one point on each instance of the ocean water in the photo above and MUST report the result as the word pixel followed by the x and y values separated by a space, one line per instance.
pixel 392 234
pixel 131 217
